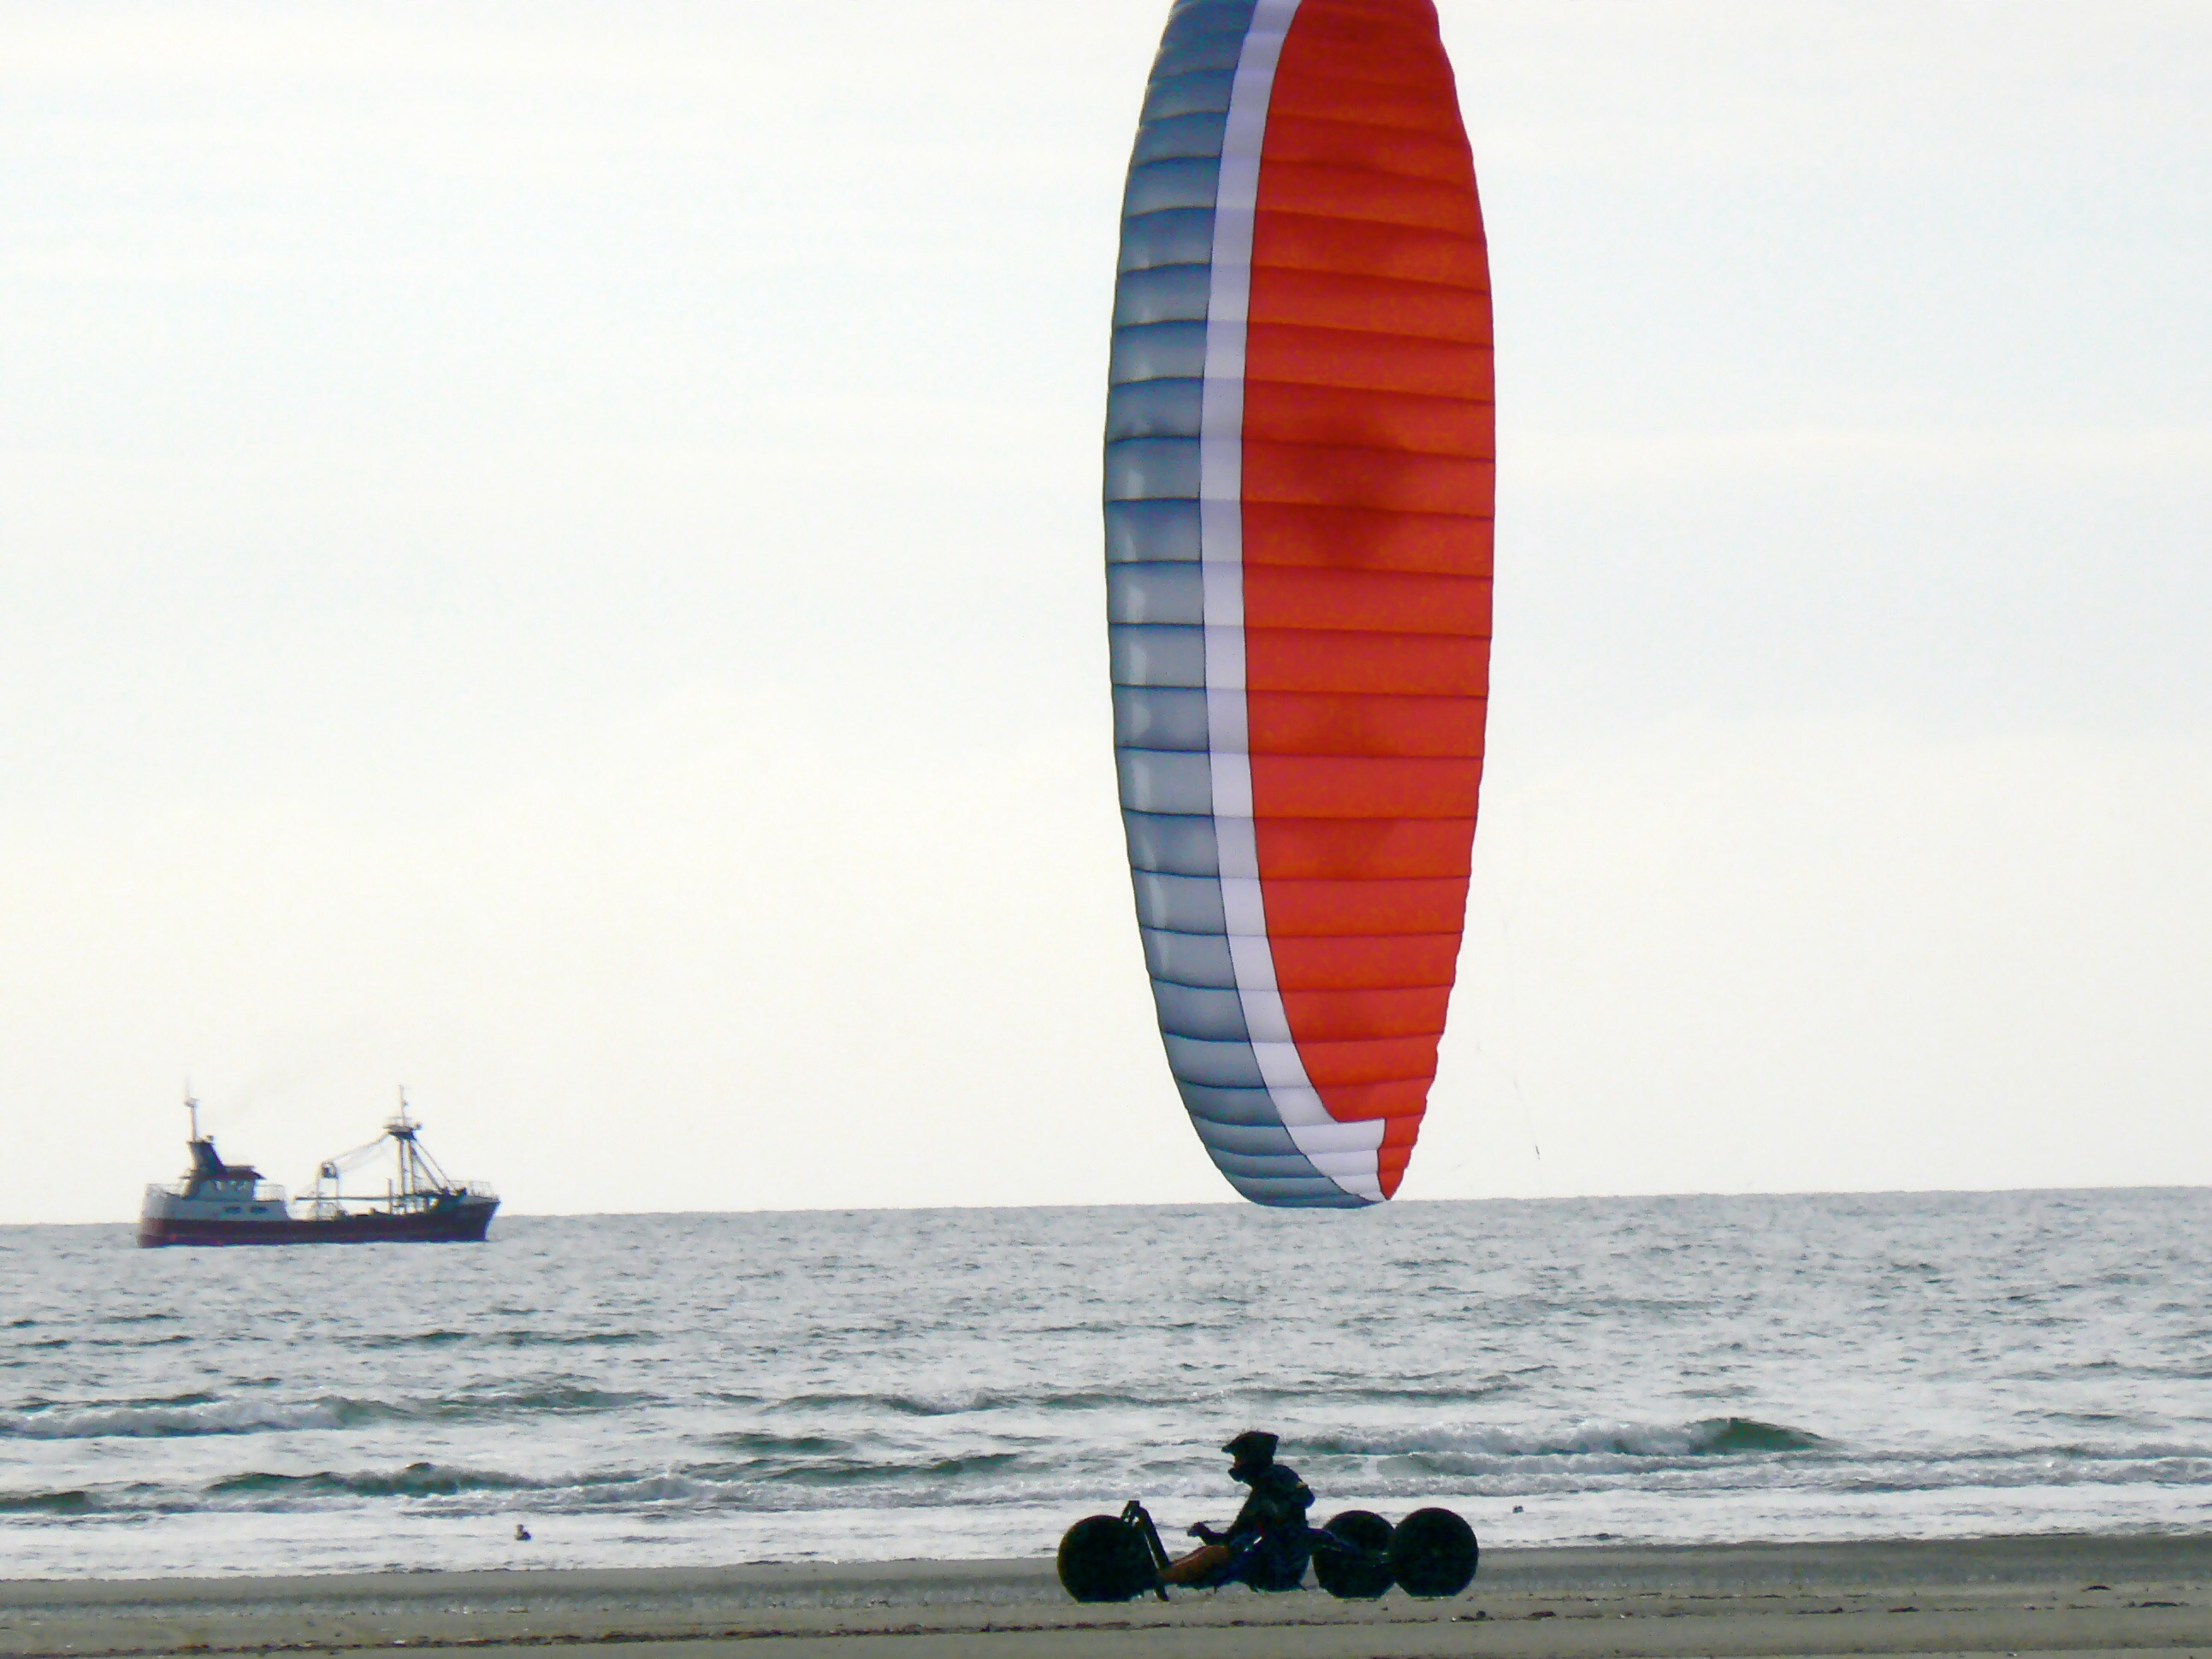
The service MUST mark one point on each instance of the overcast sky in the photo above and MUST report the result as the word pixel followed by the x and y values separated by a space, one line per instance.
pixel 551 554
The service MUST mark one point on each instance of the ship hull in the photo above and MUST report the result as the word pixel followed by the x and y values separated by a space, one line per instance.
pixel 462 1223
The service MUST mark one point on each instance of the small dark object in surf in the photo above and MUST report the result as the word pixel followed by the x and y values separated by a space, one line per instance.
pixel 1105 1558
pixel 1352 1562
pixel 1433 1553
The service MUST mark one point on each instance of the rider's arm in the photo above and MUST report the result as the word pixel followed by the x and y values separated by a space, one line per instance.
pixel 1257 1516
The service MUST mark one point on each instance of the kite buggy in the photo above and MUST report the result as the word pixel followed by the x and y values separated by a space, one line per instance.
pixel 1357 1556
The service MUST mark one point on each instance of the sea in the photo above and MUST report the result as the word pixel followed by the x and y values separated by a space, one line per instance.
pixel 659 1390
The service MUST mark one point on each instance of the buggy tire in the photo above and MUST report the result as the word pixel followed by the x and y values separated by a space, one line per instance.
pixel 1433 1553
pixel 1360 1570
pixel 1104 1558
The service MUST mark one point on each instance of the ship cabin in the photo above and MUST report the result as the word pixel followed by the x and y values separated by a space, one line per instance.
pixel 238 1187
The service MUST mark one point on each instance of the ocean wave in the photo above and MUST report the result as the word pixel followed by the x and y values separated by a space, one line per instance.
pixel 1411 1392
pixel 953 1402
pixel 562 1399
pixel 186 1416
pixel 526 1339
pixel 948 1404
pixel 1709 1437
pixel 410 1338
pixel 72 1502
pixel 173 1339
pixel 166 1421
pixel 2028 1472
pixel 1439 1394
pixel 754 1485
pixel 850 1472
pixel 761 1444
pixel 509 1339
pixel 415 1480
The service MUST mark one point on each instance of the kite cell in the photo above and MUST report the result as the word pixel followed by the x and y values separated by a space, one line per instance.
pixel 1300 440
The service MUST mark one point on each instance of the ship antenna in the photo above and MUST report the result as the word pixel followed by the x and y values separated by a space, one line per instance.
pixel 193 1106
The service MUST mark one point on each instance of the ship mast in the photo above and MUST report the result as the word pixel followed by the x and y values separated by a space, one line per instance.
pixel 419 1174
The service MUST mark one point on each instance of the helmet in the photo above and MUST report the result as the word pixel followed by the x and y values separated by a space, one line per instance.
pixel 1254 1449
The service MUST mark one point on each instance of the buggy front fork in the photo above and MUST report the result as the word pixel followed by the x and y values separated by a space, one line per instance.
pixel 1133 1514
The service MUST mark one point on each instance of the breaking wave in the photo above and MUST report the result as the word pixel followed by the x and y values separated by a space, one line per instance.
pixel 1710 1437
pixel 415 1480
pixel 158 1420
pixel 45 1503
pixel 190 1415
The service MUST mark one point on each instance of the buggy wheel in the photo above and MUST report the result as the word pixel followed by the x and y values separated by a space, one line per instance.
pixel 1357 1567
pixel 1103 1558
pixel 1433 1553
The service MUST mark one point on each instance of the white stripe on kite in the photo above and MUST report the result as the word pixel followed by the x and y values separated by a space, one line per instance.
pixel 1345 1153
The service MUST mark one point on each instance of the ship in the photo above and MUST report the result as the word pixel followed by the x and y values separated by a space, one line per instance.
pixel 220 1203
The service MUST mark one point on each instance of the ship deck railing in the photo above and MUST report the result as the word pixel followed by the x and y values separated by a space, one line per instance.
pixel 324 1206
pixel 266 1192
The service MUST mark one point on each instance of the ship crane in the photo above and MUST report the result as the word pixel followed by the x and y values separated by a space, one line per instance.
pixel 419 1177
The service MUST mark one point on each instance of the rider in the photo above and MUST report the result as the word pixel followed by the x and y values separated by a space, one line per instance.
pixel 1267 1545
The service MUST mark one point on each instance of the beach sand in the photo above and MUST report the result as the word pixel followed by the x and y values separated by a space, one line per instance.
pixel 1997 1596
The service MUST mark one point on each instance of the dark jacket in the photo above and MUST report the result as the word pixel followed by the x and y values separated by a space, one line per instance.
pixel 1278 1504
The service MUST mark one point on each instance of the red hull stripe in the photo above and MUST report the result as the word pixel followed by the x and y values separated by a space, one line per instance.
pixel 466 1227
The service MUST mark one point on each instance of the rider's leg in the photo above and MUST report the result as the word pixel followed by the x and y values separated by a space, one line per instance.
pixel 1197 1565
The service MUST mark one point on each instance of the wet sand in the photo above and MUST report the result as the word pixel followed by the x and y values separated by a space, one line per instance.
pixel 1997 1596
